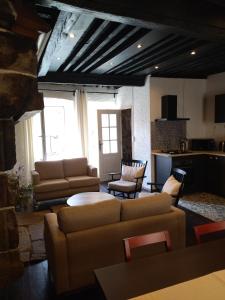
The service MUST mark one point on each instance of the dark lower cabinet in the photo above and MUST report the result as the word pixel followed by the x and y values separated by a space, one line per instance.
pixel 212 175
pixel 205 173
pixel 221 179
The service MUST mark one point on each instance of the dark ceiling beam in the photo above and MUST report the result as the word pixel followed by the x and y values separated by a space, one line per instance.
pixel 190 64
pixel 199 18
pixel 154 52
pixel 93 79
pixel 203 64
pixel 103 35
pixel 88 34
pixel 121 47
pixel 113 40
pixel 139 56
pixel 164 55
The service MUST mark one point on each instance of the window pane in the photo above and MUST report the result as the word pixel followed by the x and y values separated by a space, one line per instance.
pixel 112 120
pixel 105 134
pixel 114 148
pixel 105 120
pixel 54 131
pixel 113 133
pixel 106 148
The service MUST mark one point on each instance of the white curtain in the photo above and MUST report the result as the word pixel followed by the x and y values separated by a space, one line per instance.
pixel 82 119
pixel 24 150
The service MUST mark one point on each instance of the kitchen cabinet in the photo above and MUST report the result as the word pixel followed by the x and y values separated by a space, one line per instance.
pixel 205 173
pixel 212 175
pixel 194 167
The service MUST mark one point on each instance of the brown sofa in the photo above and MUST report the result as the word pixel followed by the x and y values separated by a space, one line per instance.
pixel 63 178
pixel 83 238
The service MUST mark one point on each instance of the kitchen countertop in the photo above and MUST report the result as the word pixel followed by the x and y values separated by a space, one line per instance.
pixel 216 153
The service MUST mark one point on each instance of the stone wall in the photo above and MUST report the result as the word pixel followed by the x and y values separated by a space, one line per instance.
pixel 18 72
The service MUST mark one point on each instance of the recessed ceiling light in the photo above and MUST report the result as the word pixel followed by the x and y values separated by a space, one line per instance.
pixel 156 67
pixel 71 35
pixel 58 58
pixel 111 63
pixel 139 46
pixel 193 52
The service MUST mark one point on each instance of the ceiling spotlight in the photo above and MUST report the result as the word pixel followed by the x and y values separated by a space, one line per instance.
pixel 156 67
pixel 58 58
pixel 71 35
pixel 193 52
pixel 139 46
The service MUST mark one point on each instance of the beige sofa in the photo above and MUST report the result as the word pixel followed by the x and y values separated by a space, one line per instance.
pixel 83 238
pixel 63 178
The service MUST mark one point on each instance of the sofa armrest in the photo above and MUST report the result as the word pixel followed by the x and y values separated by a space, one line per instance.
pixel 56 249
pixel 35 177
pixel 92 171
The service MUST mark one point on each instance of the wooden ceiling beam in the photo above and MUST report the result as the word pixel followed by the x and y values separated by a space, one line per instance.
pixel 164 55
pixel 88 34
pixel 113 40
pixel 118 49
pixel 98 41
pixel 93 79
pixel 155 51
pixel 202 19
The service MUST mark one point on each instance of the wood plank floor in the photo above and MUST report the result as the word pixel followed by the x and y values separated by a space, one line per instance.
pixel 35 284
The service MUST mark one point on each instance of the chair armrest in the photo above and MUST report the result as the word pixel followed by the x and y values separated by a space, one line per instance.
pixel 35 177
pixel 56 248
pixel 92 171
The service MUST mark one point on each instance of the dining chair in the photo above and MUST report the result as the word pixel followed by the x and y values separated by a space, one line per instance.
pixel 144 240
pixel 204 229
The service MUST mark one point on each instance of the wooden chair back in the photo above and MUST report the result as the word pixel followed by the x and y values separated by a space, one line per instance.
pixel 204 229
pixel 134 163
pixel 144 240
pixel 179 175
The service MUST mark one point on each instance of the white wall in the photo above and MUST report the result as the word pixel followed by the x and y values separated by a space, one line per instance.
pixel 137 98
pixel 190 99
pixel 215 86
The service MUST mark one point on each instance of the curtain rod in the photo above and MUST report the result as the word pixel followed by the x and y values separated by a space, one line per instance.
pixel 75 90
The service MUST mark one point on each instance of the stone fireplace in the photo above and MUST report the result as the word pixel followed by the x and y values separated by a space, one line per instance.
pixel 19 30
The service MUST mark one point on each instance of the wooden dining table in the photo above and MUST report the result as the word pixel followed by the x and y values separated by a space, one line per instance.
pixel 148 274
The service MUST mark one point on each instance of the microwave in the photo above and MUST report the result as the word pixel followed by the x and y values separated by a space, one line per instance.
pixel 202 144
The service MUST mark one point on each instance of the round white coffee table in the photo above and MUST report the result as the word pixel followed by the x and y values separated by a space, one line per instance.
pixel 88 198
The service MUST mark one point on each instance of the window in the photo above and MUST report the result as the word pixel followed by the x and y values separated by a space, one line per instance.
pixel 55 131
pixel 109 133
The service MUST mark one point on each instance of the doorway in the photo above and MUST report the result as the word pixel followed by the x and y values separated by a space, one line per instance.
pixel 110 142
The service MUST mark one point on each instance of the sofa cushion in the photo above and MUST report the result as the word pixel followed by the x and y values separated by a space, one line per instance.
pixel 171 186
pixel 80 181
pixel 87 216
pixel 50 169
pixel 51 185
pixel 75 167
pixel 122 186
pixel 146 206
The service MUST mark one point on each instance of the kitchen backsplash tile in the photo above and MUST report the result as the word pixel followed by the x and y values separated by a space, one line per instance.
pixel 167 134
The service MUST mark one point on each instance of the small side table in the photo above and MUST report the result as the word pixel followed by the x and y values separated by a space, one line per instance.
pixel 112 174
